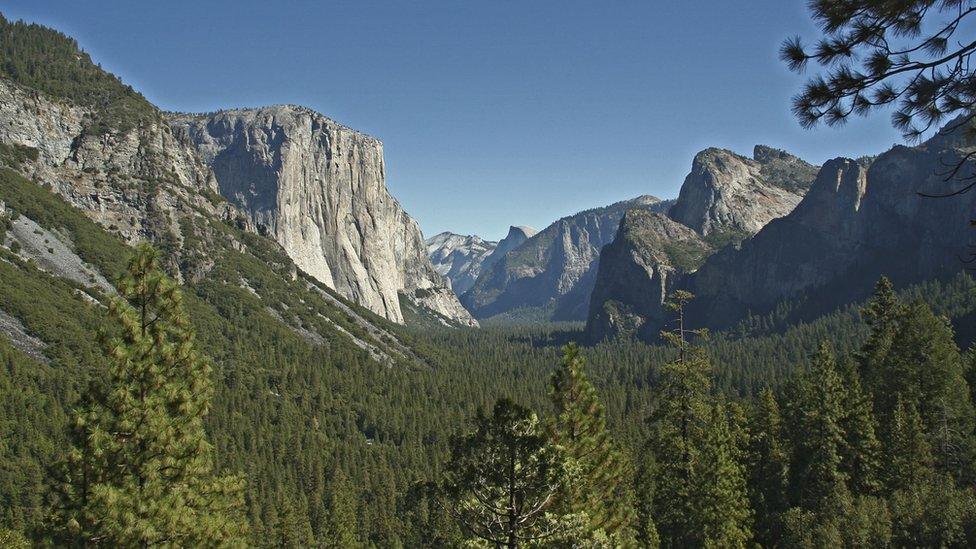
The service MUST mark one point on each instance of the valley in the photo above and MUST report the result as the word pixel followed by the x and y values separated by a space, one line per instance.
pixel 781 354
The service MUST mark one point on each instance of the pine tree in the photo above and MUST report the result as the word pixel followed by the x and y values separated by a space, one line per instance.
pixel 882 313
pixel 769 468
pixel 601 484
pixel 645 484
pixel 341 525
pixel 429 523
pixel 816 479
pixel 293 529
pixel 141 472
pixel 504 478
pixel 722 505
pixel 861 450
pixel 924 368
pixel 908 457
pixel 692 448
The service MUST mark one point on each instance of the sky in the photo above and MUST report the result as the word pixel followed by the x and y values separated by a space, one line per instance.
pixel 491 113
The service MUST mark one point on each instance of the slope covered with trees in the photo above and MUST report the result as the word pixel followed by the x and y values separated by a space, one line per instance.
pixel 852 428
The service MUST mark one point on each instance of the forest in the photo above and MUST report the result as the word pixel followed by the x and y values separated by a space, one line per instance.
pixel 205 414
pixel 856 429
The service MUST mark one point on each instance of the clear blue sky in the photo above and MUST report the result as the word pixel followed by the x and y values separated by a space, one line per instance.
pixel 492 113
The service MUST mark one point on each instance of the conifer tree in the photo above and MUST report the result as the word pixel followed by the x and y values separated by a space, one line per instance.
pixel 504 478
pixel 601 483
pixel 645 484
pixel 908 457
pixel 769 468
pixel 816 479
pixel 861 450
pixel 924 368
pixel 882 314
pixel 722 504
pixel 341 525
pixel 293 529
pixel 692 448
pixel 429 523
pixel 141 472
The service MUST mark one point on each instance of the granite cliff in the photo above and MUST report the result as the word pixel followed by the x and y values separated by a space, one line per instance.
pixel 724 200
pixel 728 196
pixel 859 220
pixel 318 188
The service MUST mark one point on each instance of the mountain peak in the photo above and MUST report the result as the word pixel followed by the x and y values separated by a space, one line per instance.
pixel 520 231
pixel 729 193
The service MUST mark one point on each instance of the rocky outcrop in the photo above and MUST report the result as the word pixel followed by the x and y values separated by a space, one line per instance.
pixel 637 271
pixel 139 183
pixel 724 200
pixel 857 223
pixel 459 258
pixel 517 235
pixel 318 188
pixel 551 275
pixel 860 220
pixel 727 196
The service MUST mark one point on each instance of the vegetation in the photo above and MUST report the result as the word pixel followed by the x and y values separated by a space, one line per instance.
pixel 13 156
pixel 336 445
pixel 504 478
pixel 600 475
pixel 875 53
pixel 841 428
pixel 140 470
pixel 44 59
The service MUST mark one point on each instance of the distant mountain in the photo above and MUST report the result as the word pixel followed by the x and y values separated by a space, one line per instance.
pixel 550 275
pixel 725 199
pixel 461 258
pixel 517 235
pixel 860 219
pixel 458 258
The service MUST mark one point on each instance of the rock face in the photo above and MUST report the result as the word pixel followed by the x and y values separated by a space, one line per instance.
pixel 727 195
pixel 860 220
pixel 857 223
pixel 551 275
pixel 517 235
pixel 318 188
pixel 637 271
pixel 139 183
pixel 724 200
pixel 460 259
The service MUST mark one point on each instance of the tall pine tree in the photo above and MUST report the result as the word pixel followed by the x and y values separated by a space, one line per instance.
pixel 601 487
pixel 340 524
pixel 924 368
pixel 699 495
pixel 141 472
pixel 861 450
pixel 504 479
pixel 816 411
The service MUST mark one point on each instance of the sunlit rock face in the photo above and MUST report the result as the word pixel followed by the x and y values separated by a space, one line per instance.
pixel 319 189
